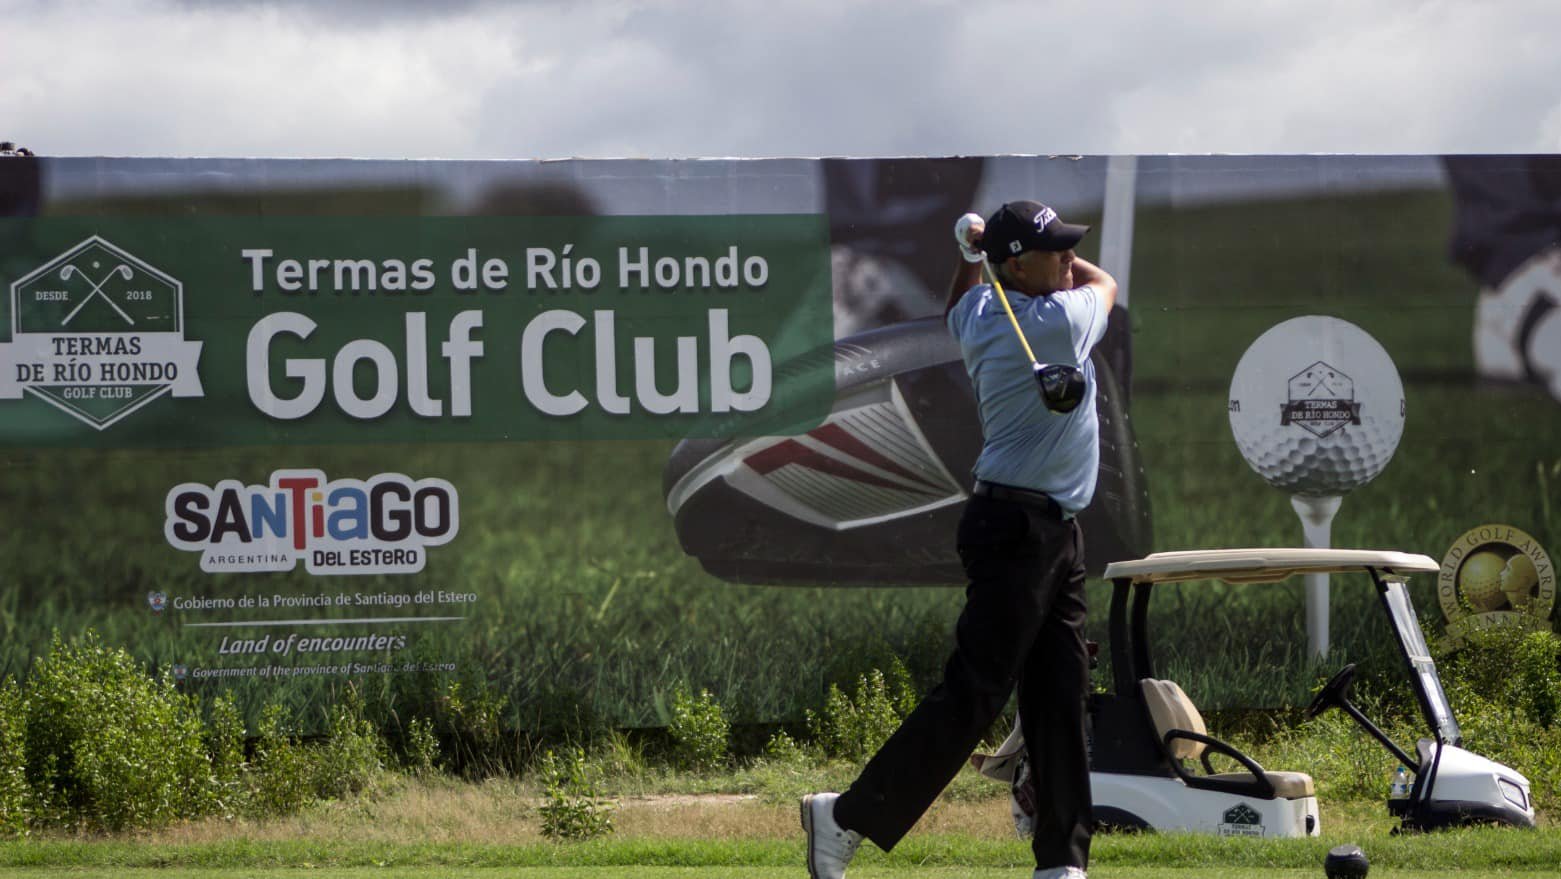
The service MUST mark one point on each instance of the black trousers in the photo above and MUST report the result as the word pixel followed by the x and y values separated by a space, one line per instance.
pixel 1022 625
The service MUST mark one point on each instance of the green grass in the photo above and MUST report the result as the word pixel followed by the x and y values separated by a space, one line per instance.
pixel 1469 852
pixel 635 872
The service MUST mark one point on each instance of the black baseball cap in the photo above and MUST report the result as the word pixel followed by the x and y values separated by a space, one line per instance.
pixel 1027 225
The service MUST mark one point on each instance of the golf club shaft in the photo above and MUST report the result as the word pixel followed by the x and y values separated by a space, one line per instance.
pixel 991 277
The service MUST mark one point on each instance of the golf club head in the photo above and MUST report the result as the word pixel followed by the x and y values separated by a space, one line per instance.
pixel 1062 386
pixel 873 494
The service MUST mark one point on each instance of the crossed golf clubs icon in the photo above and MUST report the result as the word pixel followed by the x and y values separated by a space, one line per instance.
pixel 121 270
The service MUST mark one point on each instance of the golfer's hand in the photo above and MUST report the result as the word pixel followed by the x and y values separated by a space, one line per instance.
pixel 967 234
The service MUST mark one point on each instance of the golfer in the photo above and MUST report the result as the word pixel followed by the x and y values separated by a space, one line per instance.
pixel 1023 620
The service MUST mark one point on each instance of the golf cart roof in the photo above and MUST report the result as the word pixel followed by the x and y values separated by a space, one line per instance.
pixel 1263 565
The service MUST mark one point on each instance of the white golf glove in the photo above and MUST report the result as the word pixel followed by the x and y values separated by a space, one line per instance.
pixel 967 233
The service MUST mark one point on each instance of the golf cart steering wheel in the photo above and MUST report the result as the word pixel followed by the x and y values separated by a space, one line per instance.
pixel 1333 693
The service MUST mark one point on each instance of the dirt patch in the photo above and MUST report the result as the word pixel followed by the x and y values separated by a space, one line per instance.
pixel 674 801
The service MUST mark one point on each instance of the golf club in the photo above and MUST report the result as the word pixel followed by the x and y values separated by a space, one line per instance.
pixel 97 290
pixel 1062 386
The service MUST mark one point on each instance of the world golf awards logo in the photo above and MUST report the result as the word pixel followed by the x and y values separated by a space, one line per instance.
pixel 98 333
pixel 1241 820
pixel 1495 575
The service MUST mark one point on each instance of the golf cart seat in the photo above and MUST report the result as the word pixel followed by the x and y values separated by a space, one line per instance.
pixel 1184 736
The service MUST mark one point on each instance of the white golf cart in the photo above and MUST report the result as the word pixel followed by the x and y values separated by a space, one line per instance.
pixel 1146 732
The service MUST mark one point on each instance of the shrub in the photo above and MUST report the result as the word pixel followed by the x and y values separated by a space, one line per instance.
pixel 350 757
pixel 468 722
pixel 225 744
pixel 783 750
pixel 855 727
pixel 108 747
pixel 699 729
pixel 1504 683
pixel 1509 664
pixel 422 747
pixel 15 797
pixel 280 782
pixel 287 773
pixel 573 807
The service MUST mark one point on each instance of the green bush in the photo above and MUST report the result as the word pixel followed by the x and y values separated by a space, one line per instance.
pixel 1504 683
pixel 422 747
pixel 1513 665
pixel 108 747
pixel 15 797
pixel 781 749
pixel 700 732
pixel 468 722
pixel 288 774
pixel 853 727
pixel 225 744
pixel 282 774
pixel 351 755
pixel 573 807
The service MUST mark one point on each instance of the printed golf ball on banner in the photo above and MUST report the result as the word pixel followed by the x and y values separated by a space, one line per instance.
pixel 1316 406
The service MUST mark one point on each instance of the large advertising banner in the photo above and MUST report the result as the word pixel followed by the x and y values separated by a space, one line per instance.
pixel 578 433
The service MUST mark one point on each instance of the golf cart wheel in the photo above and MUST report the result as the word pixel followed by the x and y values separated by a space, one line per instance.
pixel 1109 819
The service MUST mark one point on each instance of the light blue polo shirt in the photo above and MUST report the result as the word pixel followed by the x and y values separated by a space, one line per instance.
pixel 1025 444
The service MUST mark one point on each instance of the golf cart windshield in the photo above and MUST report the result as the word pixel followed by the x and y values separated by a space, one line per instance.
pixel 1438 713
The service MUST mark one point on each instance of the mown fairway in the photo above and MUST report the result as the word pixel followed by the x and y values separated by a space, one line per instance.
pixel 746 873
pixel 440 828
pixel 1488 853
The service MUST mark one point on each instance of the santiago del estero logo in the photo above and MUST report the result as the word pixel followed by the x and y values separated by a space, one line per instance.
pixel 98 333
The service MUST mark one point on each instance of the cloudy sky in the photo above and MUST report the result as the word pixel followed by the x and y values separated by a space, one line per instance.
pixel 479 79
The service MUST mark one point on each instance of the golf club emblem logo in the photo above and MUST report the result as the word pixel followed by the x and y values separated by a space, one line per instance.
pixel 1495 575
pixel 98 333
pixel 1241 820
pixel 157 601
pixel 1321 400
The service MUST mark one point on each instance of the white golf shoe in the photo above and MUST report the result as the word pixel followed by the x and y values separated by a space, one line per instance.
pixel 1060 873
pixel 830 846
pixel 1517 326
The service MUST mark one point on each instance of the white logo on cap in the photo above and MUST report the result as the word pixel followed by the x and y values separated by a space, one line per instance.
pixel 1044 217
pixel 1015 247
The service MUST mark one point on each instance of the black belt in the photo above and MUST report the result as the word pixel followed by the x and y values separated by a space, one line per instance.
pixel 1026 496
